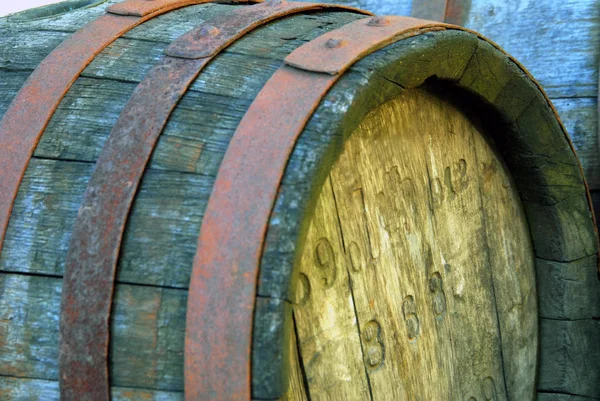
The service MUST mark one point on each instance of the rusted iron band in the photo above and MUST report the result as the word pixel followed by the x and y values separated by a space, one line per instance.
pixel 451 11
pixel 224 278
pixel 333 52
pixel 32 108
pixel 96 238
pixel 226 27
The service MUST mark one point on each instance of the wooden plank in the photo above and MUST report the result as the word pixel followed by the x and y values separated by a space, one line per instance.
pixel 541 35
pixel 560 397
pixel 147 332
pixel 570 357
pixel 22 389
pixel 511 258
pixel 69 21
pixel 556 41
pixel 298 382
pixel 580 117
pixel 194 141
pixel 406 197
pixel 168 211
pixel 568 291
pixel 271 316
pixel 529 141
pixel 327 327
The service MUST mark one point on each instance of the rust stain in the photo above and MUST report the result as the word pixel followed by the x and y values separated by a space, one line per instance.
pixel 100 224
pixel 226 265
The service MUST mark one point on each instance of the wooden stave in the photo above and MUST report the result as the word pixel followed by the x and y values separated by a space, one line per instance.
pixel 328 158
pixel 202 190
pixel 551 372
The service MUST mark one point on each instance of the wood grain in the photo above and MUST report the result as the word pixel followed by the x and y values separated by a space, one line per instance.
pixel 297 390
pixel 191 148
pixel 520 123
pixel 160 240
pixel 147 332
pixel 422 218
pixel 19 389
pixel 328 330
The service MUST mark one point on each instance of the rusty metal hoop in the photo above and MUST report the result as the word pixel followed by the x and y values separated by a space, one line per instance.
pixel 32 108
pixel 98 231
pixel 230 244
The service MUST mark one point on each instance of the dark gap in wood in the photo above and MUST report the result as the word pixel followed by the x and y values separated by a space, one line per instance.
pixel 60 277
pixel 572 97
pixel 389 80
pixel 112 387
pixel 593 318
pixel 475 48
pixel 66 160
pixel 565 261
pixel 275 298
pixel 153 169
pixel 596 196
pixel 69 32
pixel 111 79
pixel 27 378
pixel 491 268
pixel 8 69
pixel 31 274
pixel 160 42
pixel 565 393
pixel 300 360
pixel 362 351
pixel 164 287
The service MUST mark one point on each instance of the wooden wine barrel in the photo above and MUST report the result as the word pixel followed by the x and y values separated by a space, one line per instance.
pixel 293 201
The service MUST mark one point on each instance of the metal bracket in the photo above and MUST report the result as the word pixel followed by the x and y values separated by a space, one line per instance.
pixel 335 51
pixel 100 224
pixel 227 27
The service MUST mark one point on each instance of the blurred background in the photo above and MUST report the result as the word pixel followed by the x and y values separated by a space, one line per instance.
pixel 9 7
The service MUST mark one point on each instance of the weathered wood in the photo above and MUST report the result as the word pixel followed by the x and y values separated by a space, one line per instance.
pixel 521 125
pixel 568 291
pixel 417 226
pixel 329 335
pixel 581 120
pixel 19 389
pixel 168 210
pixel 570 365
pixel 147 332
pixel 194 142
pixel 557 41
pixel 297 390
pixel 160 241
pixel 195 138
pixel 543 36
pixel 562 40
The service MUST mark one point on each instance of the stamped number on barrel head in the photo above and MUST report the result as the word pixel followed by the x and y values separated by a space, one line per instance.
pixel 416 279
